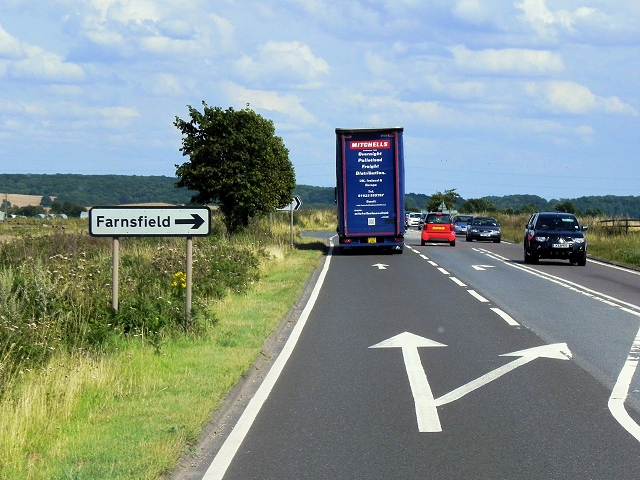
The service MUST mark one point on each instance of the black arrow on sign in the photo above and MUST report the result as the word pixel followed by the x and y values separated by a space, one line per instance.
pixel 197 221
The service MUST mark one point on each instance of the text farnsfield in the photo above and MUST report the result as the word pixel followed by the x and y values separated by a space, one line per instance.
pixel 141 221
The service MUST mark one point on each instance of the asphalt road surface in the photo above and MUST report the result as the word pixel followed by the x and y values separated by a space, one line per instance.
pixel 450 363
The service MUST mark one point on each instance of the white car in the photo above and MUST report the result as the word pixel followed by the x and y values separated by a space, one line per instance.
pixel 413 220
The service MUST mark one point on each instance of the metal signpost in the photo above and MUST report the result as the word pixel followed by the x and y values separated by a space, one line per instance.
pixel 118 222
pixel 293 206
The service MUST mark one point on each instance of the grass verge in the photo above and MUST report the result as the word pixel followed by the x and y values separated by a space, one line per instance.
pixel 132 414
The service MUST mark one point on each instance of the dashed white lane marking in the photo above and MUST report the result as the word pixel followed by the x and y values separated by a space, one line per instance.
pixel 506 317
pixel 459 282
pixel 478 296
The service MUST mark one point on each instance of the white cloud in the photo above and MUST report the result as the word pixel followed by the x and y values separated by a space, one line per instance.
pixel 573 98
pixel 286 60
pixel 167 84
pixel 585 130
pixel 508 60
pixel 471 11
pixel 43 65
pixel 289 105
pixel 118 116
pixel 26 61
pixel 543 20
pixel 10 47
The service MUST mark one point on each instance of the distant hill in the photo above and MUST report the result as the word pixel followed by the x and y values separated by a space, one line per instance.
pixel 91 190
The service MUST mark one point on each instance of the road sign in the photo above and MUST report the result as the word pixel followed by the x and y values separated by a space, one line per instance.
pixel 150 221
pixel 294 205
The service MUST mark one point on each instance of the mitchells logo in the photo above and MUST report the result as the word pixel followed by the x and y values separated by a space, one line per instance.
pixel 369 144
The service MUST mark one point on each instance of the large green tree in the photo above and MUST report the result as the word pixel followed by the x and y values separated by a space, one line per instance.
pixel 449 198
pixel 235 160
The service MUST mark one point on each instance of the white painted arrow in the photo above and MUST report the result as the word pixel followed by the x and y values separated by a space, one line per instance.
pixel 483 267
pixel 425 404
pixel 426 412
pixel 558 351
pixel 381 266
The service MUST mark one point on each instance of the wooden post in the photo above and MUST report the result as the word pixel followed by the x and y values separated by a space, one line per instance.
pixel 189 277
pixel 114 273
pixel 291 227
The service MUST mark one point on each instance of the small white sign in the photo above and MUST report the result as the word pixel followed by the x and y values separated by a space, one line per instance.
pixel 150 221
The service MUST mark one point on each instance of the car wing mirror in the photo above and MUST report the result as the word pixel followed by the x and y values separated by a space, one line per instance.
pixel 585 227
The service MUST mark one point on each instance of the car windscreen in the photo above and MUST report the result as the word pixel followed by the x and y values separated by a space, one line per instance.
pixel 438 219
pixel 485 222
pixel 557 223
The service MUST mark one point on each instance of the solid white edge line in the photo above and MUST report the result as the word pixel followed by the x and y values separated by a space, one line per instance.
pixel 621 390
pixel 224 457
pixel 506 317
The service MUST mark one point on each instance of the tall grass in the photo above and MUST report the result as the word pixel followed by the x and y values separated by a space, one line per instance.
pixel 55 291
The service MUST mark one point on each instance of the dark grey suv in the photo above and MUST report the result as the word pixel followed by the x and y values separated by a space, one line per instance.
pixel 555 235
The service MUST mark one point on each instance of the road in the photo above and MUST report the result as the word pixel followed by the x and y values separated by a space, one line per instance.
pixel 448 363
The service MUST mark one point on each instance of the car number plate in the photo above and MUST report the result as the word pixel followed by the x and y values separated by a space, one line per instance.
pixel 561 245
pixel 371 240
pixel 438 228
pixel 485 234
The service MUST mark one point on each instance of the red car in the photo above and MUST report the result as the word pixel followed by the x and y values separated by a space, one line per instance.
pixel 438 227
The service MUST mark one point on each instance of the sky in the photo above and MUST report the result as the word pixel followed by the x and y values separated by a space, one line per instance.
pixel 496 97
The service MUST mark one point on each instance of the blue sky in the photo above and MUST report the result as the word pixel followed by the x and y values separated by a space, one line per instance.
pixel 496 97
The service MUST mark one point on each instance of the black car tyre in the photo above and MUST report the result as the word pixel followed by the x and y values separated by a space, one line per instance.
pixel 469 239
pixel 534 258
pixel 453 244
pixel 422 242
pixel 582 261
pixel 526 257
pixel 497 240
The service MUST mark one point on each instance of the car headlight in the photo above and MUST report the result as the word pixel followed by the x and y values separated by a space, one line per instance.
pixel 578 240
pixel 540 239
